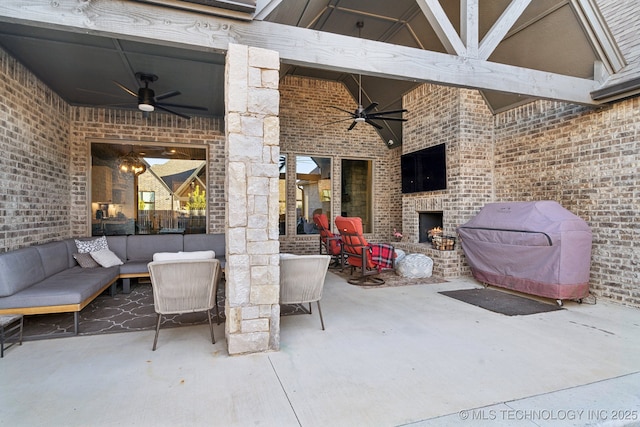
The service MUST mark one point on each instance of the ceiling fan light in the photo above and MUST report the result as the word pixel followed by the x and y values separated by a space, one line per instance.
pixel 359 119
pixel 145 107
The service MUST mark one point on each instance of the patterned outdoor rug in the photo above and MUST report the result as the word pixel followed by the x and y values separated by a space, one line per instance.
pixel 122 313
pixel 391 279
pixel 501 302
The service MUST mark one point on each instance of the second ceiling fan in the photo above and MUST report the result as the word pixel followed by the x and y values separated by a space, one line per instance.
pixel 368 115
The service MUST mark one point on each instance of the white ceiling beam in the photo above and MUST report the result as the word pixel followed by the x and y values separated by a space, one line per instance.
pixel 264 8
pixel 501 27
pixel 601 38
pixel 149 23
pixel 442 26
pixel 469 18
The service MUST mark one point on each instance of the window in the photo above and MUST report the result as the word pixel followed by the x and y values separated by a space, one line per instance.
pixel 282 201
pixel 146 189
pixel 313 191
pixel 357 194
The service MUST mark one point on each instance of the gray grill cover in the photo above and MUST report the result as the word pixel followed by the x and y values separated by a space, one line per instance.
pixel 539 248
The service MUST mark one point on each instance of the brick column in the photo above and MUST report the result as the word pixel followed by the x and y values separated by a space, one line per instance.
pixel 251 187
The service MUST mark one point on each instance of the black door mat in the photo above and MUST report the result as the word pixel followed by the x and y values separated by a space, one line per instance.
pixel 501 302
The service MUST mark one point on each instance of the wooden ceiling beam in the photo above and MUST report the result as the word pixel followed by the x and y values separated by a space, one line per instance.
pixel 150 23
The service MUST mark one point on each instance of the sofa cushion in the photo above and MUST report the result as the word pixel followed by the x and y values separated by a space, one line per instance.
pixel 20 269
pixel 71 286
pixel 203 242
pixel 54 257
pixel 142 247
pixel 134 267
pixel 106 258
pixel 91 245
pixel 118 245
pixel 85 260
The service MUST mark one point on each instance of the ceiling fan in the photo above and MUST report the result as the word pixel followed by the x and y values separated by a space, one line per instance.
pixel 368 115
pixel 148 101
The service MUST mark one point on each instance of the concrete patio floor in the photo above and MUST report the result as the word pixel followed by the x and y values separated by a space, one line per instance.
pixel 389 357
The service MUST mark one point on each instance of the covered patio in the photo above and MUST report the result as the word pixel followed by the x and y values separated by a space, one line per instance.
pixel 390 356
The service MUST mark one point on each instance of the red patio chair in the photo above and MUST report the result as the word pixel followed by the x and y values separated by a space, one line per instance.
pixel 368 259
pixel 329 241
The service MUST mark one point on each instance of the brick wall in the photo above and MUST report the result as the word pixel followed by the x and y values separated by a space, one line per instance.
pixel 305 111
pixel 34 165
pixel 588 161
pixel 460 119
pixel 97 124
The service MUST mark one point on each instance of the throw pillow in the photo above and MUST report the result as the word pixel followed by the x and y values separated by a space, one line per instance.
pixel 106 258
pixel 85 260
pixel 93 245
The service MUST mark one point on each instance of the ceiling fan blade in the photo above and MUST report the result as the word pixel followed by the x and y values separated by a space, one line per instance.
pixel 352 125
pixel 126 89
pixel 370 107
pixel 184 116
pixel 168 95
pixel 375 125
pixel 396 119
pixel 377 113
pixel 191 107
pixel 97 92
pixel 337 121
pixel 346 111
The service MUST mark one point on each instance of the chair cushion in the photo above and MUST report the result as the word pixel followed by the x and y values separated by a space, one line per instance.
pixel 415 266
pixel 176 256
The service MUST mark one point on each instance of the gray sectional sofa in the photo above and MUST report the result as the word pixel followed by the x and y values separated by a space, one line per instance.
pixel 44 279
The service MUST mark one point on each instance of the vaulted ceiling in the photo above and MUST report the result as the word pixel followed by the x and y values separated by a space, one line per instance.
pixel 512 50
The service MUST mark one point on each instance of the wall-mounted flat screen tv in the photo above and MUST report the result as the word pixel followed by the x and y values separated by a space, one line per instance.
pixel 424 170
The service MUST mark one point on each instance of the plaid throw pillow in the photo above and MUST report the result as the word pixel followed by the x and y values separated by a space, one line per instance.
pixel 93 245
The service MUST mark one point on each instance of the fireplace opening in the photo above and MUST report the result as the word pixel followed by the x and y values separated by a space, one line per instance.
pixel 430 223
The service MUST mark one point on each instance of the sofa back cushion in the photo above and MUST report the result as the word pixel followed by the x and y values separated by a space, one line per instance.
pixel 118 245
pixel 205 242
pixel 55 257
pixel 142 247
pixel 19 269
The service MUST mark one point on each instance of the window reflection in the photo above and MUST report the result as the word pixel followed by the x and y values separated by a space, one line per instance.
pixel 166 195
pixel 313 191
pixel 282 201
pixel 357 195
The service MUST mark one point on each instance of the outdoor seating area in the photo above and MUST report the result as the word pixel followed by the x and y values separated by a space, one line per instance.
pixel 402 345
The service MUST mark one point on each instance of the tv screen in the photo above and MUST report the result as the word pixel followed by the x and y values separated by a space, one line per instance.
pixel 424 170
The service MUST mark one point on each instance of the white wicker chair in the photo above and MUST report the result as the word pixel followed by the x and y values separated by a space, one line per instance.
pixel 302 279
pixel 184 286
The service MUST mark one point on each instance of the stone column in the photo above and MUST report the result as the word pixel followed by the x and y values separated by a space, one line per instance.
pixel 252 149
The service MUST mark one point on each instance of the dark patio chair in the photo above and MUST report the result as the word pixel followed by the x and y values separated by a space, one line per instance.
pixel 368 259
pixel 331 243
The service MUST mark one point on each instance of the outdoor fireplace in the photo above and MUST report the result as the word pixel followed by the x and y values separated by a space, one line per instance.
pixel 429 222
